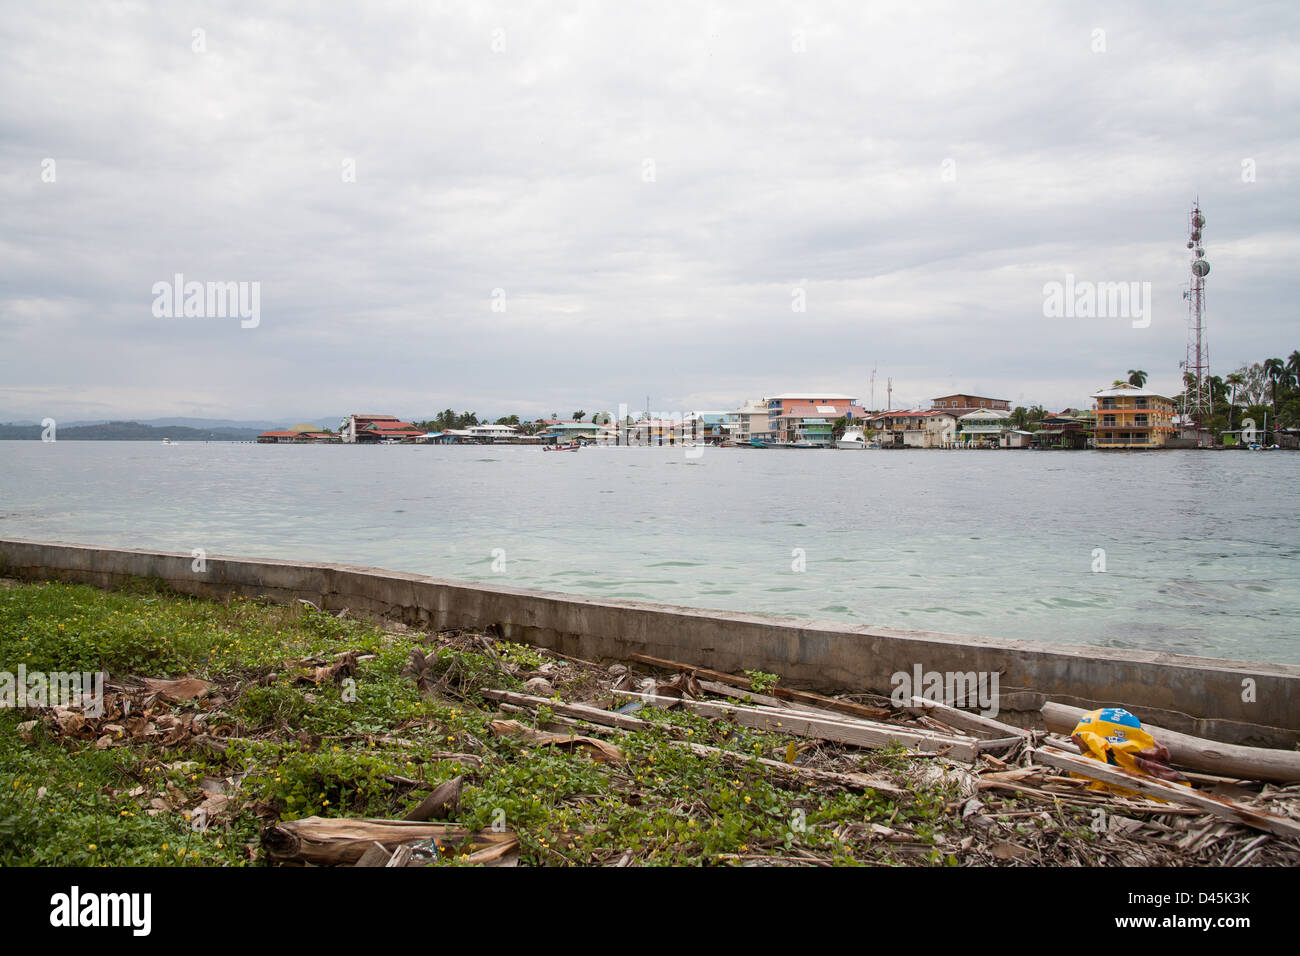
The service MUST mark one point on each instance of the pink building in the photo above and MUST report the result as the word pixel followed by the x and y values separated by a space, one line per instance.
pixel 788 413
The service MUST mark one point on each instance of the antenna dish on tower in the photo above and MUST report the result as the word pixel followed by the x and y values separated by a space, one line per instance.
pixel 1197 407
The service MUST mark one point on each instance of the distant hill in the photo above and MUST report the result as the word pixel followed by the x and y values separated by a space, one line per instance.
pixel 243 424
pixel 129 431
pixel 331 421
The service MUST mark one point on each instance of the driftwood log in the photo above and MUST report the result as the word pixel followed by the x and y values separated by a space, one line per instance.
pixel 1197 753
pixel 330 842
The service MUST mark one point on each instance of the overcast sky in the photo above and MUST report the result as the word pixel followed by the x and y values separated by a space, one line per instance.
pixel 650 185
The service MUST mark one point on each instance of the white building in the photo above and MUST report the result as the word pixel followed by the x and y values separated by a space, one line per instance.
pixel 984 426
pixel 915 428
pixel 477 434
pixel 749 421
pixel 492 432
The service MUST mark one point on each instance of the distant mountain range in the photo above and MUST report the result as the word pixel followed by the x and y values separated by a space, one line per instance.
pixel 156 429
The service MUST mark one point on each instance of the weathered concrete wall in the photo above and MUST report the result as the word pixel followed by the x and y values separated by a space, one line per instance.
pixel 1189 694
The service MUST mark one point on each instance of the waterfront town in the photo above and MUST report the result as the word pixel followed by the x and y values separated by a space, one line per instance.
pixel 1123 416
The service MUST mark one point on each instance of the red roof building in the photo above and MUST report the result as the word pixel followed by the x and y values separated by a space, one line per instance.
pixel 291 437
pixel 388 429
pixel 376 428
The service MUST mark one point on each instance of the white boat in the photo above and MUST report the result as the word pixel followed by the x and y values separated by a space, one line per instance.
pixel 853 437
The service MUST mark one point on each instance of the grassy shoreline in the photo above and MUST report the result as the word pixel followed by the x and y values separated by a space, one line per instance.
pixel 308 714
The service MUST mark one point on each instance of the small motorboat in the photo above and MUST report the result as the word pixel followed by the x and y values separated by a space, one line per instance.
pixel 567 446
pixel 853 437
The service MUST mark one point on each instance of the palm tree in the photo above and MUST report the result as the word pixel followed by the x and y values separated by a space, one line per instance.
pixel 579 415
pixel 1293 366
pixel 1218 389
pixel 1236 380
pixel 1275 369
pixel 1137 377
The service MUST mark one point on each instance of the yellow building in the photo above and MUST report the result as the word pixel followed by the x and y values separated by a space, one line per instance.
pixel 1132 417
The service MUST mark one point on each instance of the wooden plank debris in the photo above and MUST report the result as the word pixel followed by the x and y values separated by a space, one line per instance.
pixel 850 781
pixel 738 693
pixel 859 733
pixel 977 724
pixel 440 804
pixel 375 855
pixel 1152 787
pixel 999 744
pixel 785 693
pixel 582 711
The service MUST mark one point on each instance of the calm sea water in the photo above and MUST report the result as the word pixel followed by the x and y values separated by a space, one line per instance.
pixel 1200 549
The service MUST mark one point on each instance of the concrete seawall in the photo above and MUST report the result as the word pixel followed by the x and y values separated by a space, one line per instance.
pixel 1195 695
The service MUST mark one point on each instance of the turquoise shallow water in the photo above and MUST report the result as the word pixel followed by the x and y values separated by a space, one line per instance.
pixel 1201 549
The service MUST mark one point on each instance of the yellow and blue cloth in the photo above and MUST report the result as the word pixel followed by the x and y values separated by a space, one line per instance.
pixel 1116 737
